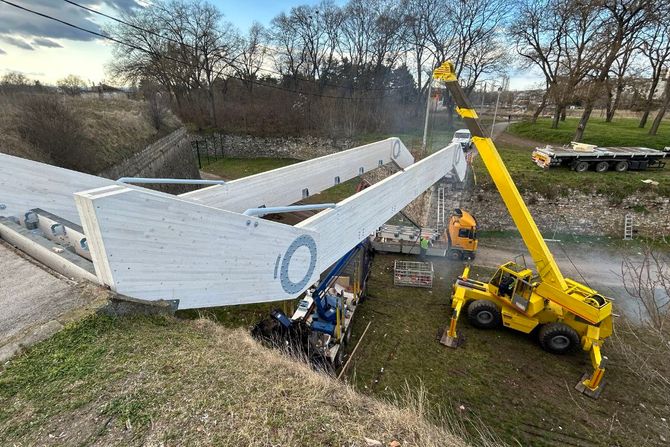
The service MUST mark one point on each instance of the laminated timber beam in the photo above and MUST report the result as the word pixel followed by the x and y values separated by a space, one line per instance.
pixel 26 184
pixel 287 185
pixel 155 246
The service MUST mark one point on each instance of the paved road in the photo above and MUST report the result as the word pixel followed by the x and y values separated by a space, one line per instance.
pixel 33 300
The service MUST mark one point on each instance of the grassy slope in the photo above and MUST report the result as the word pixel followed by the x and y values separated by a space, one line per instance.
pixel 162 381
pixel 620 132
pixel 114 129
pixel 530 178
pixel 234 168
pixel 500 377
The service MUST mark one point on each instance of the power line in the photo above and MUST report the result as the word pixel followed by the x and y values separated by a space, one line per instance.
pixel 258 67
pixel 138 48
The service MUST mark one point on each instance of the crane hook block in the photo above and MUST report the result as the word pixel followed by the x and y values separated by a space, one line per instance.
pixel 445 72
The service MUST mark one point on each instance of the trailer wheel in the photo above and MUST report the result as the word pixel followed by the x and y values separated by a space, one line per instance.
pixel 602 166
pixel 558 338
pixel 484 314
pixel 621 166
pixel 582 166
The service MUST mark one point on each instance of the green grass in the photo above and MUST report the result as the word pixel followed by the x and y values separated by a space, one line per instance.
pixel 500 378
pixel 620 132
pixel 560 182
pixel 163 381
pixel 234 168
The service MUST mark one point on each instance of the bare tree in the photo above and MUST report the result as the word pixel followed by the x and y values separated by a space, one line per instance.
pixel 71 85
pixel 664 107
pixel 416 42
pixel 623 20
pixel 615 87
pixel 14 78
pixel 647 281
pixel 252 55
pixel 656 47
pixel 182 45
pixel 307 39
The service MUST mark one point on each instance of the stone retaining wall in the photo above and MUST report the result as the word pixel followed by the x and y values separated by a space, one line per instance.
pixel 578 213
pixel 170 157
pixel 247 146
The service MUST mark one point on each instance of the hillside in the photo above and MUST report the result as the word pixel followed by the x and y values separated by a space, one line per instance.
pixel 164 381
pixel 95 133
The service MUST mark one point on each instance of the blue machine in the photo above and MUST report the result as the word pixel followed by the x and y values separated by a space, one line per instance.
pixel 325 318
pixel 327 305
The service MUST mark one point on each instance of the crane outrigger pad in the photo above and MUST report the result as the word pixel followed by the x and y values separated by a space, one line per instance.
pixel 593 394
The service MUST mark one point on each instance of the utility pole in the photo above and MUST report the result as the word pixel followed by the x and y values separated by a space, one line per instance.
pixel 496 112
pixel 425 126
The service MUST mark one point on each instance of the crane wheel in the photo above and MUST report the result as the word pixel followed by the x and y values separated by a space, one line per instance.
pixel 484 314
pixel 558 338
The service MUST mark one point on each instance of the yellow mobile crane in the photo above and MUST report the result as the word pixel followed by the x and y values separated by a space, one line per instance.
pixel 566 313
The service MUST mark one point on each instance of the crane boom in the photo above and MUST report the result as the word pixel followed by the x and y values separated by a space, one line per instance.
pixel 544 261
pixel 566 312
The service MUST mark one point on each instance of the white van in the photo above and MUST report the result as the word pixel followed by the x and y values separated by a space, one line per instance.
pixel 464 137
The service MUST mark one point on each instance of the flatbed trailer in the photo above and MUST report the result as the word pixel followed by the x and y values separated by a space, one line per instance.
pixel 583 157
pixel 405 239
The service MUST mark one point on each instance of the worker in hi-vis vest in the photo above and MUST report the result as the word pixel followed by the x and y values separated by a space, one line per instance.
pixel 423 244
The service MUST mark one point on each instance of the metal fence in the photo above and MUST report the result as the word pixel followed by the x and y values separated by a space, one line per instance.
pixel 413 274
pixel 208 150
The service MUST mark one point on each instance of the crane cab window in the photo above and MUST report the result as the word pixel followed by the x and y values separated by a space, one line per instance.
pixel 521 295
pixel 507 285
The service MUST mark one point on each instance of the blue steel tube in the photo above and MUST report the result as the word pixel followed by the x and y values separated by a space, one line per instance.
pixel 170 181
pixel 287 209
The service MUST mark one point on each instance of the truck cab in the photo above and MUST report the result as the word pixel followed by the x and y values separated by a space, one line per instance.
pixel 464 137
pixel 462 235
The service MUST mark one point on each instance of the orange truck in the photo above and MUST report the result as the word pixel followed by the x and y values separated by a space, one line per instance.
pixel 462 235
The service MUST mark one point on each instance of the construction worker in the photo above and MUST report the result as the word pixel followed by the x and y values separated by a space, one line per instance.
pixel 423 245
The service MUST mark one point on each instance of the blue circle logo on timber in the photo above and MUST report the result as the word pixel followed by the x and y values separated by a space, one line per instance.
pixel 289 286
pixel 396 149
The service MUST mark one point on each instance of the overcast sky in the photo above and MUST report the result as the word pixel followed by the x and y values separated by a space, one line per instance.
pixel 45 50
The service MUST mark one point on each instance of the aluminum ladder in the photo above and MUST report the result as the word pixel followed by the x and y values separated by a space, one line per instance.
pixel 628 227
pixel 441 207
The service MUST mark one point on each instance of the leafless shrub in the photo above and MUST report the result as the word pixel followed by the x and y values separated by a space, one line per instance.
pixel 48 123
pixel 647 281
pixel 646 346
pixel 157 110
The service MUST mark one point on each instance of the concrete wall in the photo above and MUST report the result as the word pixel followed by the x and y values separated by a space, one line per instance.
pixel 247 146
pixel 582 214
pixel 170 157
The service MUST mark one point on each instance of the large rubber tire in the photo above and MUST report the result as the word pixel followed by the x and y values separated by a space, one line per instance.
pixel 602 166
pixel 454 255
pixel 581 166
pixel 558 338
pixel 484 314
pixel 621 166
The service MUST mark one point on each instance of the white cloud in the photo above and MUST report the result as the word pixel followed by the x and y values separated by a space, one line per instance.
pixel 17 42
pixel 22 23
pixel 44 42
